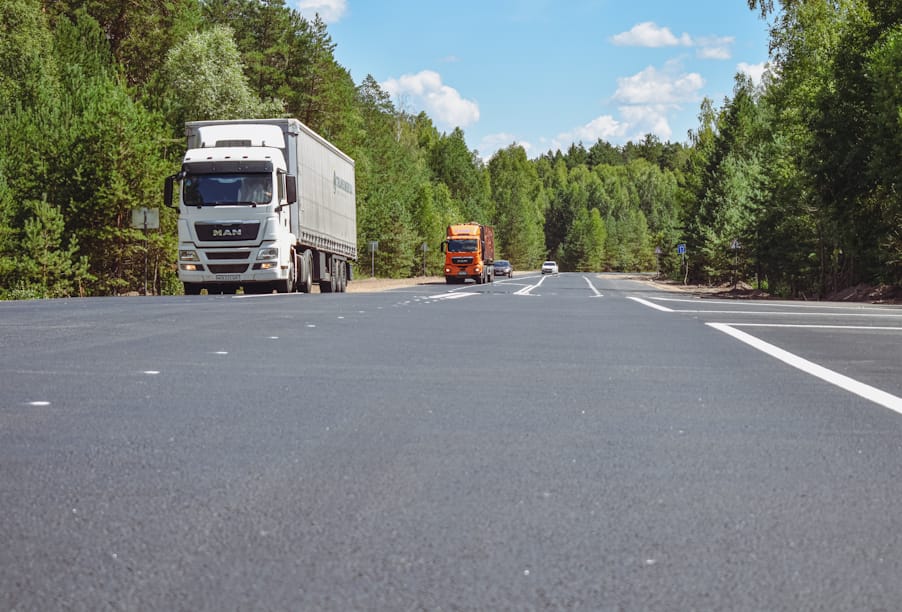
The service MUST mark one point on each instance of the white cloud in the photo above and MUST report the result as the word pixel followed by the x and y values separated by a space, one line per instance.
pixel 492 143
pixel 653 86
pixel 756 71
pixel 648 100
pixel 650 119
pixel 426 91
pixel 715 47
pixel 604 127
pixel 650 34
pixel 329 10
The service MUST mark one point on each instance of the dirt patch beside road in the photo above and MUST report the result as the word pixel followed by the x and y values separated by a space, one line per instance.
pixel 372 285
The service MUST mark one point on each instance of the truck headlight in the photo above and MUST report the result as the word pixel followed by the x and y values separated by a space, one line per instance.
pixel 268 253
pixel 188 255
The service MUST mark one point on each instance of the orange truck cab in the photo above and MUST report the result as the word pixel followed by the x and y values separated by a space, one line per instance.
pixel 469 253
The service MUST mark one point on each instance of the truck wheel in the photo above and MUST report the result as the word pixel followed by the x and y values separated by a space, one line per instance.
pixel 193 288
pixel 305 276
pixel 342 277
pixel 287 285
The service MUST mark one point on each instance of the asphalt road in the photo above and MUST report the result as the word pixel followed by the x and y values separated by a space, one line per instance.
pixel 542 443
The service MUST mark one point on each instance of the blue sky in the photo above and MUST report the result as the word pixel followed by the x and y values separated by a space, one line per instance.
pixel 546 73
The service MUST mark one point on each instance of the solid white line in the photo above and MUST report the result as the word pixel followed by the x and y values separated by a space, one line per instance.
pixel 868 392
pixel 653 305
pixel 764 313
pixel 592 287
pixel 790 325
pixel 777 304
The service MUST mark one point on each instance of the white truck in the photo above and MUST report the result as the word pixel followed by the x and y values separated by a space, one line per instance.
pixel 264 204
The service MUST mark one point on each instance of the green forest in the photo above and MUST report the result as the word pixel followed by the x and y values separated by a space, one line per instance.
pixel 793 185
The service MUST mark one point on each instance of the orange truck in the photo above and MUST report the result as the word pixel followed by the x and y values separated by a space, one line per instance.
pixel 469 253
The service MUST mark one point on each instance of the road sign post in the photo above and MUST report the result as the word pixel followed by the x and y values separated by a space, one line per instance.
pixel 374 246
pixel 681 249
pixel 424 247
pixel 145 218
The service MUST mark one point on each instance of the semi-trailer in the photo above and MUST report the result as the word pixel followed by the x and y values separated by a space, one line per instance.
pixel 265 205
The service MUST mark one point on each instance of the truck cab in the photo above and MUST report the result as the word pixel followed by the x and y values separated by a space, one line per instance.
pixel 469 253
pixel 234 222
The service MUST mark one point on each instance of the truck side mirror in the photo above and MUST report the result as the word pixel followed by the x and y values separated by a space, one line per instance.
pixel 291 188
pixel 443 245
pixel 167 191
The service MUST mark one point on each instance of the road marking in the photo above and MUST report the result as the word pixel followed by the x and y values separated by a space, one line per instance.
pixel 451 296
pixel 803 326
pixel 653 305
pixel 887 400
pixel 765 313
pixel 777 304
pixel 526 290
pixel 592 287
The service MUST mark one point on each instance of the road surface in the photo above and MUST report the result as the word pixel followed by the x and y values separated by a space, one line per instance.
pixel 561 442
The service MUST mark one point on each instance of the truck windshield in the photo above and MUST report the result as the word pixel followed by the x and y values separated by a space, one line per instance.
pixel 227 189
pixel 462 246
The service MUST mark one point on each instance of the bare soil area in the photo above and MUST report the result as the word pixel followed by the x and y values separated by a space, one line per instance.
pixel 371 285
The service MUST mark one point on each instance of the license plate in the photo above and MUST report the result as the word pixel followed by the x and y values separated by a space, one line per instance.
pixel 462 273
pixel 228 277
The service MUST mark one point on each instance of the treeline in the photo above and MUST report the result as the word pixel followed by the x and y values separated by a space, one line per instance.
pixel 792 184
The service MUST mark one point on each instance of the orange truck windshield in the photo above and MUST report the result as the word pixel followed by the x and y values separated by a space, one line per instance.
pixel 463 246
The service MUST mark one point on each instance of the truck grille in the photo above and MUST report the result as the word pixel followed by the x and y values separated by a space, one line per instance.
pixel 227 268
pixel 226 231
pixel 462 260
pixel 228 254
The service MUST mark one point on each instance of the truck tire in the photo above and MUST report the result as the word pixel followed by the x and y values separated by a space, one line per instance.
pixel 193 288
pixel 288 285
pixel 305 275
pixel 342 277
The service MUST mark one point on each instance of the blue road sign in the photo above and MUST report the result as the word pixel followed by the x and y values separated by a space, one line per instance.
pixel 681 249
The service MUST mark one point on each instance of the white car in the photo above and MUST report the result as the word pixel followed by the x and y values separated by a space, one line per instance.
pixel 549 267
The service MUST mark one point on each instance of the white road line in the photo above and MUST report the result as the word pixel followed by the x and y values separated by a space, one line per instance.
pixel 868 392
pixel 525 290
pixel 777 304
pixel 790 325
pixel 592 287
pixel 766 313
pixel 451 296
pixel 653 305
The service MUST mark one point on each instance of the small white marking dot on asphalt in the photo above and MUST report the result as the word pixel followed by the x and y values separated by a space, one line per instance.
pixel 151 372
pixel 310 325
pixel 39 403
pixel 273 337
pixel 221 353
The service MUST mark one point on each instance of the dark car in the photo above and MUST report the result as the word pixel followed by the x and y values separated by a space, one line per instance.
pixel 504 268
